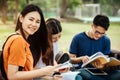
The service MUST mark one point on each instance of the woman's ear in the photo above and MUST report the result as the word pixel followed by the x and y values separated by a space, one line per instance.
pixel 21 18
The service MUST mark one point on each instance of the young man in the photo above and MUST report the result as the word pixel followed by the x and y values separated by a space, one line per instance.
pixel 94 40
pixel 88 43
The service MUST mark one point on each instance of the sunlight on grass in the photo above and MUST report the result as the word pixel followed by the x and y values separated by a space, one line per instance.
pixel 5 30
pixel 69 30
pixel 114 33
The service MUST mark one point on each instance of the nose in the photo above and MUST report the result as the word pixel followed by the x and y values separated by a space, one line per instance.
pixel 99 35
pixel 34 23
pixel 56 40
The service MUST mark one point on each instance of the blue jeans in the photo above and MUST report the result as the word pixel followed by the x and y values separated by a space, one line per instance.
pixel 78 77
pixel 113 75
pixel 71 76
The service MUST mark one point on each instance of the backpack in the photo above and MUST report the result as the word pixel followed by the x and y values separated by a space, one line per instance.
pixel 2 71
pixel 1 77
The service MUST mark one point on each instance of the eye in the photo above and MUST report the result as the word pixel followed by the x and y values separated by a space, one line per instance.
pixel 38 21
pixel 31 19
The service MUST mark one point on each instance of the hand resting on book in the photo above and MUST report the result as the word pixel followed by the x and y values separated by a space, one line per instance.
pixel 97 64
pixel 85 59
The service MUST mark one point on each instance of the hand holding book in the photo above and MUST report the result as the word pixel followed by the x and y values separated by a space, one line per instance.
pixel 85 59
pixel 66 64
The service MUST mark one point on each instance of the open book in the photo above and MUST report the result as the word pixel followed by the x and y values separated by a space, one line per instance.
pixel 109 61
pixel 66 64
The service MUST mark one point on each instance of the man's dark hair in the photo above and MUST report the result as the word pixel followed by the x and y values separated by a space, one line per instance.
pixel 101 20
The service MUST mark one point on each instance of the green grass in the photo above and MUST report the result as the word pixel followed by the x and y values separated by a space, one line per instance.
pixel 5 30
pixel 69 30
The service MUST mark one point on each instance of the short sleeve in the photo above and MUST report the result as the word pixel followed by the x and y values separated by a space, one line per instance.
pixel 74 45
pixel 17 54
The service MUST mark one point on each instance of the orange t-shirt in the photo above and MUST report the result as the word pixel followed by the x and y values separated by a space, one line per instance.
pixel 17 52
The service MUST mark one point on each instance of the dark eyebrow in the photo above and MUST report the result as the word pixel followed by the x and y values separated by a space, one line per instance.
pixel 34 18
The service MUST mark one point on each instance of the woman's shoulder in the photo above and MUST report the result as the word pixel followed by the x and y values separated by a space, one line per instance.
pixel 15 38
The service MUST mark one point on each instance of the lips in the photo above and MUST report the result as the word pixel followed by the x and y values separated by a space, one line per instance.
pixel 32 28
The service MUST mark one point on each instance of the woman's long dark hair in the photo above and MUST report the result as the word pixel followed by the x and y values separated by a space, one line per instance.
pixel 40 44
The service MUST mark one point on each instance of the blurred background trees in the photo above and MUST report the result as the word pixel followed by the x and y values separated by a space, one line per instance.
pixel 81 11
pixel 3 9
pixel 9 9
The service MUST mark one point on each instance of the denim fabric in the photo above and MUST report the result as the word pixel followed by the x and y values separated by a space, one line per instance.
pixel 78 77
pixel 71 76
pixel 112 75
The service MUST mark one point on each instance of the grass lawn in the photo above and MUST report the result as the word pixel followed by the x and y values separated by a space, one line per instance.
pixel 5 30
pixel 69 30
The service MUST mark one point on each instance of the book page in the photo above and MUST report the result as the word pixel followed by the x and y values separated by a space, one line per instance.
pixel 70 75
pixel 97 56
pixel 113 62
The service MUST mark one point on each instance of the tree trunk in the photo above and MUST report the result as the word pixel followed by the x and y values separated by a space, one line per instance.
pixel 16 12
pixel 63 9
pixel 27 1
pixel 4 10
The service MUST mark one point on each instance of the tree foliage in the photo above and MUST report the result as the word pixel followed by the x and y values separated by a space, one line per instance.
pixel 3 6
pixel 73 3
pixel 110 7
pixel 9 7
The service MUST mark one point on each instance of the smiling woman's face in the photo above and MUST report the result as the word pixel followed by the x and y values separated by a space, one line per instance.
pixel 30 23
